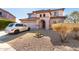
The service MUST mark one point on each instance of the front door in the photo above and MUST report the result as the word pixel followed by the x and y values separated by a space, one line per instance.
pixel 42 24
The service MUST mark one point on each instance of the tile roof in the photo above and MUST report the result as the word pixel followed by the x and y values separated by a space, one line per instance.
pixel 49 10
pixel 29 19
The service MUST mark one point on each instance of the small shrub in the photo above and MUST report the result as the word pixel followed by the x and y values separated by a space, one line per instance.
pixel 62 30
pixel 56 27
pixel 75 30
pixel 38 35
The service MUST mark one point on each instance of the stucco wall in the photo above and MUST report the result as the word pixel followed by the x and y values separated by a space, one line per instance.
pixel 48 14
pixel 7 15
pixel 59 12
pixel 38 15
pixel 58 20
pixel 46 22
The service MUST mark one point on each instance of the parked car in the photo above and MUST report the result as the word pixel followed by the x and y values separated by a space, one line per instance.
pixel 16 28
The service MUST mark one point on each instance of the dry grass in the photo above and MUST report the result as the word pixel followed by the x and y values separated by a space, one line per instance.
pixel 62 26
pixel 65 28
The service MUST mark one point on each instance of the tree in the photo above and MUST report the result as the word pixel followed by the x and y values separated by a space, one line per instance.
pixel 73 17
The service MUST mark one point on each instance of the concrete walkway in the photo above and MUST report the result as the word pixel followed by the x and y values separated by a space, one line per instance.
pixel 5 46
pixel 2 33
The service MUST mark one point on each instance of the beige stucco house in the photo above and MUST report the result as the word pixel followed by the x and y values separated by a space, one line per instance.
pixel 44 18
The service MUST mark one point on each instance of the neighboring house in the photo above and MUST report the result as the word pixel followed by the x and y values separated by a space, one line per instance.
pixel 7 15
pixel 44 18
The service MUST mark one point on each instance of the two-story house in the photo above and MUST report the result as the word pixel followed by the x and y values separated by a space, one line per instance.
pixel 44 18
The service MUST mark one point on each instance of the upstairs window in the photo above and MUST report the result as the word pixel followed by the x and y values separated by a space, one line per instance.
pixel 0 13
pixel 40 15
pixel 56 14
pixel 44 15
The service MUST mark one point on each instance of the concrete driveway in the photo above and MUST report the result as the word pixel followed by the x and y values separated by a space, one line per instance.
pixel 4 38
pixel 2 33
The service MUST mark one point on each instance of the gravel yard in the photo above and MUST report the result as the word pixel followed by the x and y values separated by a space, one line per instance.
pixel 50 42
pixel 30 43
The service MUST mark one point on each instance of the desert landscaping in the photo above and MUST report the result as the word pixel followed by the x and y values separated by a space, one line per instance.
pixel 47 30
pixel 51 41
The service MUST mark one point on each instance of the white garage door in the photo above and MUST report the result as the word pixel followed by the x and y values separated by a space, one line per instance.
pixel 32 25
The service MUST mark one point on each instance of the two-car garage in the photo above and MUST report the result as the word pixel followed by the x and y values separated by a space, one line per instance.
pixel 31 22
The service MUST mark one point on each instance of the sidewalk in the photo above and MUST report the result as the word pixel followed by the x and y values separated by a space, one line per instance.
pixel 5 46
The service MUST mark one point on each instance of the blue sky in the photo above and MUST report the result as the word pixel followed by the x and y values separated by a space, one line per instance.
pixel 22 12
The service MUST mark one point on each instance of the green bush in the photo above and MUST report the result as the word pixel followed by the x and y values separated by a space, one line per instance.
pixel 4 23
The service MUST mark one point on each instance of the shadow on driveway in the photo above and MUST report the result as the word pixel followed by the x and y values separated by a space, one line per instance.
pixel 10 37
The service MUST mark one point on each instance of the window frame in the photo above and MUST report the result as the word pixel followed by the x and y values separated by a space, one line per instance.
pixel 0 13
pixel 44 15
pixel 56 13
pixel 40 15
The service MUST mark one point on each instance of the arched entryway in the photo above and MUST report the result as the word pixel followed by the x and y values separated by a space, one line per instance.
pixel 42 24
